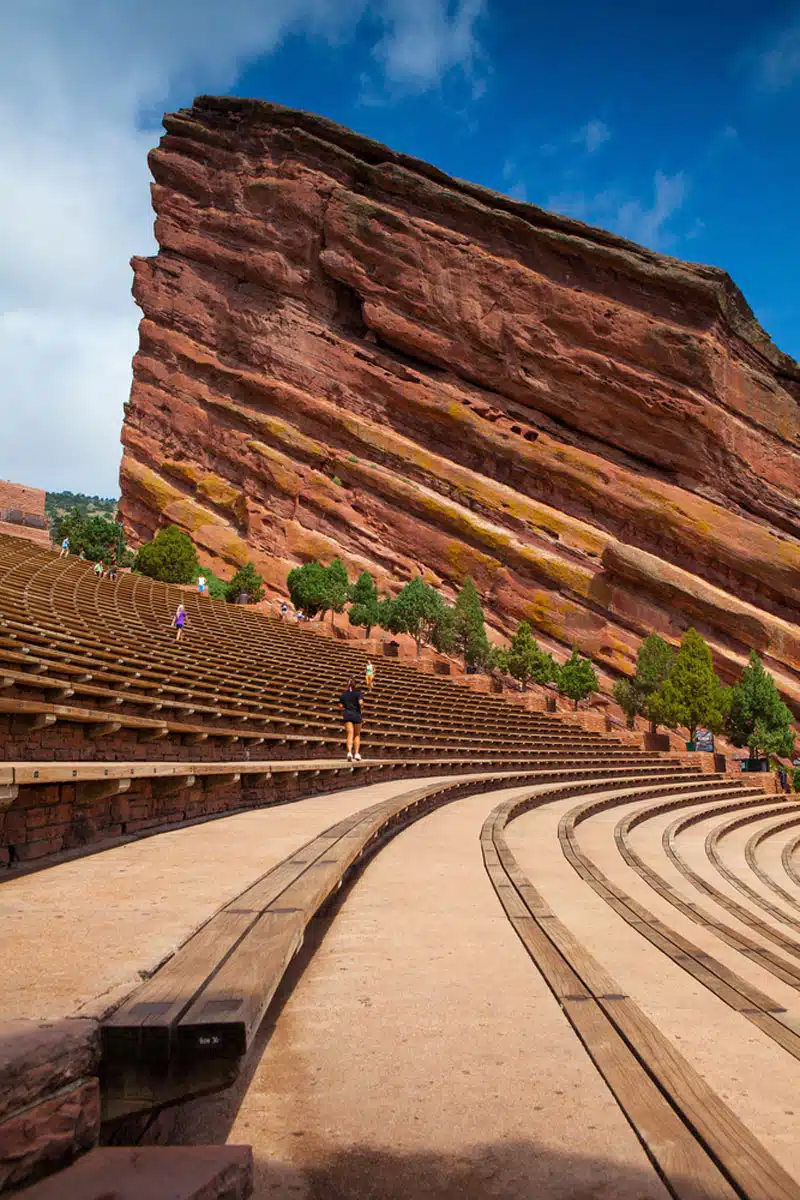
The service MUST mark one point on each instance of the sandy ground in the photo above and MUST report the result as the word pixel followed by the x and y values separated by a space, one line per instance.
pixel 420 1053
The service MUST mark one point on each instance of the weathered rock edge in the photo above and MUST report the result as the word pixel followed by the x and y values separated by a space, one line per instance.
pixel 344 350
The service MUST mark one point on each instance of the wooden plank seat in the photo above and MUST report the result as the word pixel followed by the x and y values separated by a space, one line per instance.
pixel 763 817
pixel 265 716
pixel 763 928
pixel 41 713
pixel 195 1019
pixel 264 711
pixel 752 949
pixel 757 840
pixel 94 664
pixel 770 1016
pixel 41 801
pixel 327 698
pixel 260 727
pixel 699 1146
pixel 789 859
pixel 240 677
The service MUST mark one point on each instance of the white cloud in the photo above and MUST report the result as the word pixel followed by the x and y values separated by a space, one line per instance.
pixel 75 77
pixel 592 136
pixel 425 39
pixel 777 65
pixel 642 221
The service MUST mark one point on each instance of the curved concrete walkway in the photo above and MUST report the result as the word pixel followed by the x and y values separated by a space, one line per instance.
pixel 80 936
pixel 755 1077
pixel 420 1054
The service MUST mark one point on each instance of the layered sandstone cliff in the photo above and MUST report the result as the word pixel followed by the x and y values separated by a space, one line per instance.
pixel 344 351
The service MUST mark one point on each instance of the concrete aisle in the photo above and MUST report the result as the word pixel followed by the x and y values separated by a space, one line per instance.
pixel 421 1055
pixel 755 1077
pixel 79 936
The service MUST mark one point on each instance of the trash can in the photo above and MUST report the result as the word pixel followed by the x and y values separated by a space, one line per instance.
pixel 755 764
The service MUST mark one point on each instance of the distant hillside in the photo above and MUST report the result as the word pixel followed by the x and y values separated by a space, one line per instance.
pixel 58 503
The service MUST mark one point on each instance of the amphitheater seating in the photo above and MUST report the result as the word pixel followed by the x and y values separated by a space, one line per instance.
pixel 687 1129
pixel 109 729
pixel 90 672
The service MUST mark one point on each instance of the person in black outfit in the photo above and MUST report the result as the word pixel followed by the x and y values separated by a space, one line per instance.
pixel 351 704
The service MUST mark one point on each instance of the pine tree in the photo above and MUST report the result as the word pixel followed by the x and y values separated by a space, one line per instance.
pixel 692 695
pixel 577 678
pixel 417 610
pixel 469 629
pixel 246 581
pixel 364 603
pixel 654 663
pixel 525 661
pixel 758 718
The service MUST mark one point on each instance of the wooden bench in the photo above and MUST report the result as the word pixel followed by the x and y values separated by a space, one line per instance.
pixel 750 1001
pixel 699 1146
pixel 189 1027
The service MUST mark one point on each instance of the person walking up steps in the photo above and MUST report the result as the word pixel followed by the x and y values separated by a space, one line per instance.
pixel 64 552
pixel 369 675
pixel 179 621
pixel 351 705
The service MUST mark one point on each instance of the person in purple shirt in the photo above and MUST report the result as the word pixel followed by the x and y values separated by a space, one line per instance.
pixel 179 621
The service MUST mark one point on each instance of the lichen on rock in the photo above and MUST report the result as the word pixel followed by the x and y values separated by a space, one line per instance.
pixel 603 436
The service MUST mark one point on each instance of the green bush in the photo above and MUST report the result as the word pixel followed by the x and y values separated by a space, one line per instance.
pixel 692 696
pixel 170 556
pixel 308 588
pixel 98 538
pixel 577 678
pixel 796 779
pixel 317 589
pixel 216 587
pixel 248 580
pixel 337 587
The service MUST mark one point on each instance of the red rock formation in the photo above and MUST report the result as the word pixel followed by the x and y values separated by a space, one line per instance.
pixel 345 351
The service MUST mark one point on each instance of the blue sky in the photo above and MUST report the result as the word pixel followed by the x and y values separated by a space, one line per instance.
pixel 676 125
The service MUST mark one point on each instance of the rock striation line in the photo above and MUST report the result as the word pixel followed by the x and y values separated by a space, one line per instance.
pixel 344 350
